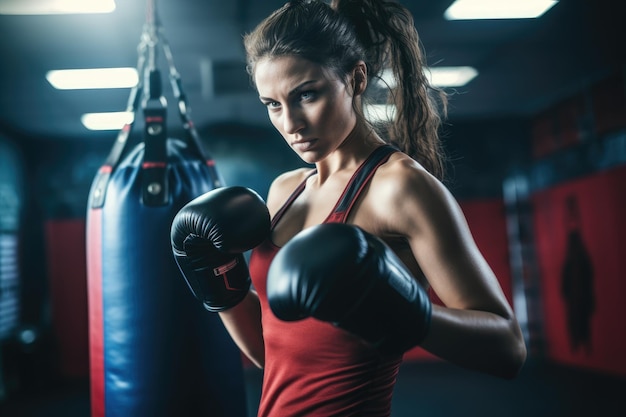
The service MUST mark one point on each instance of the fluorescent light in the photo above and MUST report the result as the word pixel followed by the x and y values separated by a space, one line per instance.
pixel 387 79
pixel 36 7
pixel 379 112
pixel 106 121
pixel 497 9
pixel 78 79
pixel 437 76
pixel 450 76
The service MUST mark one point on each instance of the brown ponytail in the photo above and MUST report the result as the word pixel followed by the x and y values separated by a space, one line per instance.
pixel 387 32
pixel 382 34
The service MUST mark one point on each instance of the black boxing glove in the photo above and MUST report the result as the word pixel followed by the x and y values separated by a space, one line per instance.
pixel 209 236
pixel 341 274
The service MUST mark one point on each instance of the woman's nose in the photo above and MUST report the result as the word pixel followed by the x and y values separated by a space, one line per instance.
pixel 293 121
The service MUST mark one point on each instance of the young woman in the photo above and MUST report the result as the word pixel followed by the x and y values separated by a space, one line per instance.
pixel 340 276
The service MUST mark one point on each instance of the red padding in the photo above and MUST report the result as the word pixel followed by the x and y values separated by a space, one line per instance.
pixel 96 320
pixel 601 204
pixel 65 248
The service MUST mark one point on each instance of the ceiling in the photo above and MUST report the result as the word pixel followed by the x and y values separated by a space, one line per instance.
pixel 524 66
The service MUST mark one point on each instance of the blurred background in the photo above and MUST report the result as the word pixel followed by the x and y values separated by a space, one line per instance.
pixel 536 146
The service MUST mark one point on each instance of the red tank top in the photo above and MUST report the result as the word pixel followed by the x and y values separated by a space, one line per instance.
pixel 312 368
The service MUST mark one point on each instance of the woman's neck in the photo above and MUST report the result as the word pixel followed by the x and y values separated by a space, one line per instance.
pixel 356 147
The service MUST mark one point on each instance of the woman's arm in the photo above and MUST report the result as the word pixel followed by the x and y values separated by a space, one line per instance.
pixel 243 323
pixel 477 328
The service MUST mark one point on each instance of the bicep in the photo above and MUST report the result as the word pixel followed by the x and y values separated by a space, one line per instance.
pixel 445 250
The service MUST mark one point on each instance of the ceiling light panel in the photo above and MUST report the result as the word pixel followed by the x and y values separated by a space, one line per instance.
pixel 81 79
pixel 451 76
pixel 107 121
pixel 46 7
pixel 498 9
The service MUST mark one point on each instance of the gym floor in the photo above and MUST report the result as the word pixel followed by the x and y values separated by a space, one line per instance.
pixel 424 389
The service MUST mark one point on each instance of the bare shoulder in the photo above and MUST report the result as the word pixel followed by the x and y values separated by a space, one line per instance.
pixel 282 187
pixel 409 197
pixel 402 178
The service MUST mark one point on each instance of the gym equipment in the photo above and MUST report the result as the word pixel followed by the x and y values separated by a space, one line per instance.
pixel 154 351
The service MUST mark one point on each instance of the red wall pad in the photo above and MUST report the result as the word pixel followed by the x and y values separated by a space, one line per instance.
pixel 65 249
pixel 580 231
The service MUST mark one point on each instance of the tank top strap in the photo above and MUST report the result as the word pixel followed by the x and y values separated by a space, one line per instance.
pixel 291 198
pixel 357 183
pixel 359 180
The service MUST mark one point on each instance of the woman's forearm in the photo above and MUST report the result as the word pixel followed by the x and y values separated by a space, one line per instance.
pixel 477 340
pixel 243 323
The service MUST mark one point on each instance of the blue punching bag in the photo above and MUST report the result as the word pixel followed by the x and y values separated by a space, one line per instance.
pixel 154 350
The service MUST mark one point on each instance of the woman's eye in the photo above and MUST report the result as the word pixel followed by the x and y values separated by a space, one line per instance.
pixel 307 95
pixel 272 104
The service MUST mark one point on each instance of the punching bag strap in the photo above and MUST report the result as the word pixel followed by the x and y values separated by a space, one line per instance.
pixel 154 166
pixel 148 91
pixel 121 143
pixel 184 110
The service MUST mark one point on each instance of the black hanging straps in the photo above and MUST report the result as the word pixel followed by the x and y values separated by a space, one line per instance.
pixel 148 93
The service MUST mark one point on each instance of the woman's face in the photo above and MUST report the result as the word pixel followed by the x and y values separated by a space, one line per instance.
pixel 310 106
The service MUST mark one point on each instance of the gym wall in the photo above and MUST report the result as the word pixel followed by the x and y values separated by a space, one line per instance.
pixel 481 155
pixel 578 179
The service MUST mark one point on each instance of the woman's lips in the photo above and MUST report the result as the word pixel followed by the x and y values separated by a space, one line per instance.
pixel 303 145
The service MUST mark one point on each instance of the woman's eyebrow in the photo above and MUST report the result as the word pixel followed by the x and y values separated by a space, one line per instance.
pixel 294 91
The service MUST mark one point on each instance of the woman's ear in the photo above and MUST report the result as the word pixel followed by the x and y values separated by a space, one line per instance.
pixel 359 78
